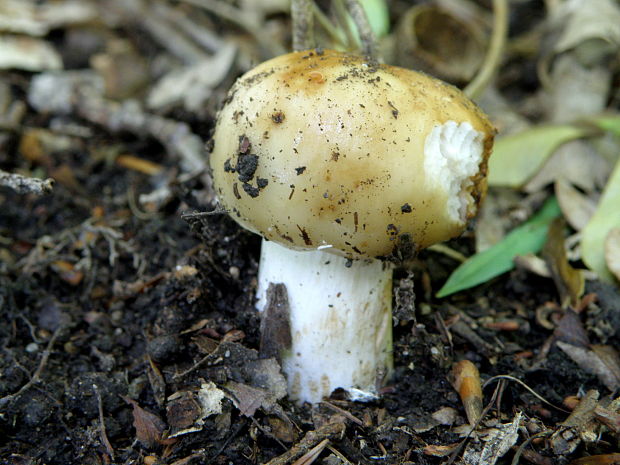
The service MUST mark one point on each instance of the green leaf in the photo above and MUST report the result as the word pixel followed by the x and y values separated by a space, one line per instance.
pixel 605 218
pixel 481 267
pixel 608 123
pixel 517 157
pixel 378 17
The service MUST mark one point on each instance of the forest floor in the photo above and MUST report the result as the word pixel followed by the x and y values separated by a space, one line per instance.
pixel 124 312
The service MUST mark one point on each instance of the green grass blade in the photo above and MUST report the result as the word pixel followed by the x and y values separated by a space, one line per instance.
pixel 609 123
pixel 606 217
pixel 481 267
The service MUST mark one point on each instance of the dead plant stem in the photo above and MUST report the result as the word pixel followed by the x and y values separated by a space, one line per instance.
pixel 493 56
pixel 367 36
pixel 37 374
pixel 302 14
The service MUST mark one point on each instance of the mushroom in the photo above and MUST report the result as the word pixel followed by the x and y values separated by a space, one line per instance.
pixel 345 166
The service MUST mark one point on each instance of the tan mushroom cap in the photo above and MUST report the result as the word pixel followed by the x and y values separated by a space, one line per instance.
pixel 327 150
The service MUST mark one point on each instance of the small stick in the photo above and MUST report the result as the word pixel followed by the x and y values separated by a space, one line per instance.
pixel 494 53
pixel 25 185
pixel 37 374
pixel 367 37
pixel 303 25
pixel 347 414
pixel 310 440
pixel 102 430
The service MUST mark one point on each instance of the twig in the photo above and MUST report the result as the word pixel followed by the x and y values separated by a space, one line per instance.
pixel 102 431
pixel 37 374
pixel 78 93
pixel 448 252
pixel 342 17
pixel 349 415
pixel 309 457
pixel 529 389
pixel 338 454
pixel 494 53
pixel 25 185
pixel 521 448
pixel 219 210
pixel 195 366
pixel 234 434
pixel 326 24
pixel 303 25
pixel 367 37
pixel 310 440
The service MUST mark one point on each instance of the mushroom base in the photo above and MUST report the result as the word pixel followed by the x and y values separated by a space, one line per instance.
pixel 340 315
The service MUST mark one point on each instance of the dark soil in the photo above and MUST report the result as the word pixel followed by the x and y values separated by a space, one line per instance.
pixel 121 315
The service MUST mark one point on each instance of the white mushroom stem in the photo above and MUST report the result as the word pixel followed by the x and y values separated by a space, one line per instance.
pixel 340 319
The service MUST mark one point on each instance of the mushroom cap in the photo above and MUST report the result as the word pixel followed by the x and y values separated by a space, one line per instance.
pixel 327 150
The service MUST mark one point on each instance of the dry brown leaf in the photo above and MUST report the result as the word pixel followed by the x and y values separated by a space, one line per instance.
pixel 604 459
pixel 576 207
pixel 68 272
pixel 496 442
pixel 445 416
pixel 157 382
pixel 187 410
pixel 439 450
pixel 611 359
pixel 577 162
pixel 612 252
pixel 602 362
pixel 149 427
pixel 570 329
pixel 139 164
pixel 569 281
pixel 435 40
pixel 248 399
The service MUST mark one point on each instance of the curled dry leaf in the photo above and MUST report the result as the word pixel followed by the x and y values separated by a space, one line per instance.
pixel 28 54
pixel 602 361
pixel 568 280
pixel 576 207
pixel 496 442
pixel 187 410
pixel 445 416
pixel 193 85
pixel 149 427
pixel 586 21
pixel 248 399
pixel 435 40
pixel 577 162
pixel 37 19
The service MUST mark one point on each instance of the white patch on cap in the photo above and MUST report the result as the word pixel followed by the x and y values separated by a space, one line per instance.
pixel 452 155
